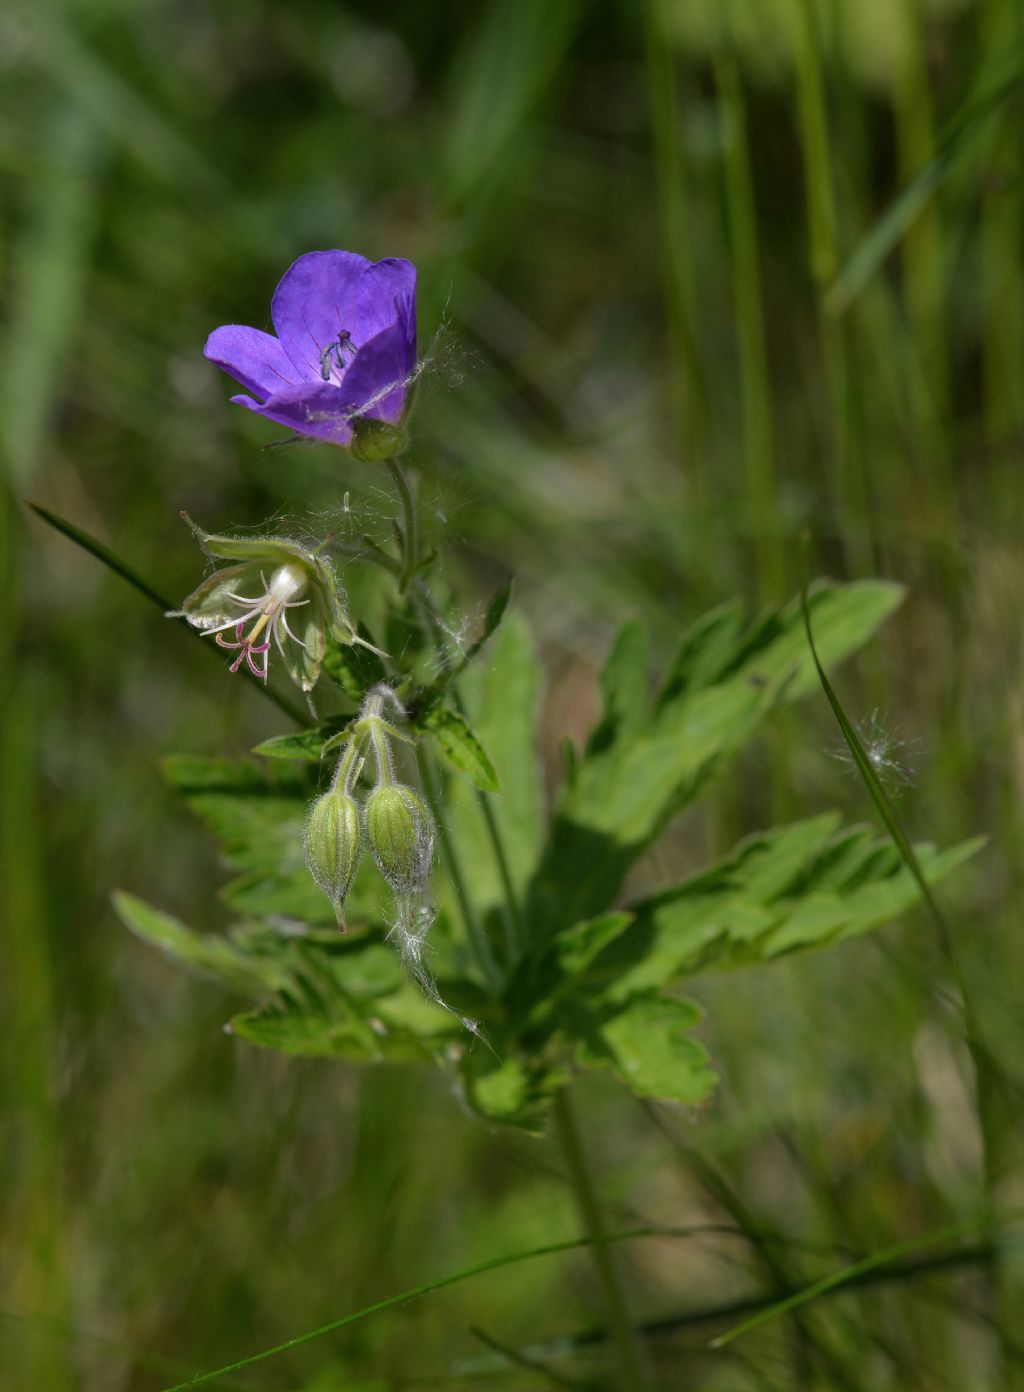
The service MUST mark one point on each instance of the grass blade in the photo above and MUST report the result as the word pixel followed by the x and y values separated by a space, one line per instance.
pixel 493 1264
pixel 855 1272
pixel 883 803
pixel 890 228
pixel 46 286
pixel 124 570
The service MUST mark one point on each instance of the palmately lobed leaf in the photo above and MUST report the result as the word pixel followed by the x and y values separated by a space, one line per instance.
pixel 326 996
pixel 647 1045
pixel 802 886
pixel 624 690
pixel 726 679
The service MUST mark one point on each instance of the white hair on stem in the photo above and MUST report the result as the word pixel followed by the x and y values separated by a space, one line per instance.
pixel 414 918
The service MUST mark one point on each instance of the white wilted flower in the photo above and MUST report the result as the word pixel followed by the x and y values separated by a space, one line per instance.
pixel 277 591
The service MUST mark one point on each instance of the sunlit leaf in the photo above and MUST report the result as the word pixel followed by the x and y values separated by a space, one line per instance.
pixel 461 746
pixel 648 1047
pixel 500 696
pixel 624 690
pixel 719 691
pixel 796 887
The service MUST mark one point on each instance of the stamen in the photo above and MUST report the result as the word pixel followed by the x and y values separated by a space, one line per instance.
pixel 223 642
pixel 291 635
pixel 342 344
pixel 234 623
pixel 280 645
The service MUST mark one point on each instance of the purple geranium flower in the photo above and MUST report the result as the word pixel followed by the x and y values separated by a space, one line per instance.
pixel 345 350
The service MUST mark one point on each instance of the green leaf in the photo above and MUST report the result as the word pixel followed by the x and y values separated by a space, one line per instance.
pixel 647 1046
pixel 623 683
pixel 513 1091
pixel 493 616
pixel 258 813
pixel 707 651
pixel 719 691
pixel 461 747
pixel 796 887
pixel 500 698
pixel 255 811
pixel 890 229
pixel 883 802
pixel 210 956
pixel 323 1014
pixel 306 745
pixel 294 1023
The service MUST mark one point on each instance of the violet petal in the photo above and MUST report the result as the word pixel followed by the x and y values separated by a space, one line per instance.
pixel 314 408
pixel 254 358
pixel 385 293
pixel 377 383
pixel 314 303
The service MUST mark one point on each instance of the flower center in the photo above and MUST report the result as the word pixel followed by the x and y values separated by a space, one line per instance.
pixel 287 584
pixel 332 359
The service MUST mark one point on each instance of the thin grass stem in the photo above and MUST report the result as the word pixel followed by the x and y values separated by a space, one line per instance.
pixel 760 484
pixel 634 1369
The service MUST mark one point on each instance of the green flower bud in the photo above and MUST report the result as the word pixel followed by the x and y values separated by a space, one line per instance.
pixel 376 439
pixel 400 831
pixel 333 845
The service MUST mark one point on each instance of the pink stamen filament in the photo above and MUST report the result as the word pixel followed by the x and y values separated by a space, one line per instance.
pixel 272 616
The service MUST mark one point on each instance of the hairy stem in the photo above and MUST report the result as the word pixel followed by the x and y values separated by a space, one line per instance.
pixel 474 933
pixel 410 525
pixel 515 931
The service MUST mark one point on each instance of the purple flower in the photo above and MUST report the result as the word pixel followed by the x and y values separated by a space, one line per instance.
pixel 345 351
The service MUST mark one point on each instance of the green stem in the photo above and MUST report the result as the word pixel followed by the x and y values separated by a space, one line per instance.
pixel 851 484
pixel 348 766
pixel 410 525
pixel 515 929
pixel 633 1366
pixel 675 198
pixel 761 500
pixel 476 937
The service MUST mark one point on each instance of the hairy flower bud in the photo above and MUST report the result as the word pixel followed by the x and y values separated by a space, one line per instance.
pixel 333 845
pixel 400 831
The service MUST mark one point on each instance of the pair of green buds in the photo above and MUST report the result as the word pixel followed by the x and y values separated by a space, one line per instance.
pixel 395 821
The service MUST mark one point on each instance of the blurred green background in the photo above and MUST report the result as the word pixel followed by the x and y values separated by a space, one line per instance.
pixel 677 309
